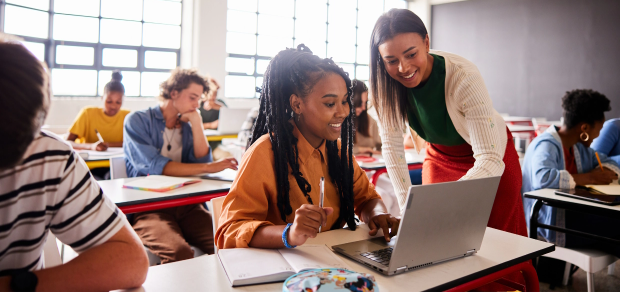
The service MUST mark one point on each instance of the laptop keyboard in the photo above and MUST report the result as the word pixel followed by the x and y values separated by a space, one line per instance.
pixel 381 256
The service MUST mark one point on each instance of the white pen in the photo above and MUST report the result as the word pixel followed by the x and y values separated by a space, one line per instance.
pixel 99 136
pixel 322 187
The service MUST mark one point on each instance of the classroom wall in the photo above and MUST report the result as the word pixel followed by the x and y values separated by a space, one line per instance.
pixel 530 52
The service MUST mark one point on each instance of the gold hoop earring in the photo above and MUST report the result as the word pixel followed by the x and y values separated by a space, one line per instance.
pixel 584 139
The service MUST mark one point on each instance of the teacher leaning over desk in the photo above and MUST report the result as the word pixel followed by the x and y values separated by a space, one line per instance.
pixel 443 98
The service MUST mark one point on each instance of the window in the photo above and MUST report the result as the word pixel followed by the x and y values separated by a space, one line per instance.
pixel 83 41
pixel 258 29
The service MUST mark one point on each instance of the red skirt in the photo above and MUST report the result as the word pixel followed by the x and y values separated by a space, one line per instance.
pixel 450 163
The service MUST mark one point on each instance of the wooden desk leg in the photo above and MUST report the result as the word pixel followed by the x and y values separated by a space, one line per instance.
pixel 526 268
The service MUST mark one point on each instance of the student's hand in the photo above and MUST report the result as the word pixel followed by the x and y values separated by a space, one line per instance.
pixel 221 165
pixel 192 117
pixel 387 223
pixel 595 177
pixel 308 218
pixel 99 146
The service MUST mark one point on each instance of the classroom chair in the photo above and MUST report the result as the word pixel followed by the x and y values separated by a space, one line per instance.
pixel 117 167
pixel 589 260
pixel 215 205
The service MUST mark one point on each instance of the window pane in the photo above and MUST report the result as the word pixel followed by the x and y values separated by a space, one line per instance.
pixel 162 36
pixel 343 12
pixel 311 10
pixel 131 81
pixel 240 43
pixel 276 7
pixel 244 5
pixel 369 11
pixel 275 26
pixel 74 82
pixel 37 49
pixel 363 52
pixel 362 72
pixel 79 7
pixel 162 12
pixel 389 4
pixel 241 21
pixel 240 86
pixel 38 4
pixel 259 84
pixel 312 34
pixel 76 28
pixel 151 81
pixel 120 58
pixel 121 32
pixel 261 66
pixel 348 68
pixel 26 22
pixel 160 60
pixel 270 46
pixel 240 65
pixel 73 55
pixel 122 9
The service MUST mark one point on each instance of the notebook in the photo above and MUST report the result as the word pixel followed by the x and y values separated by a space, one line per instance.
pixel 224 175
pixel 606 189
pixel 247 266
pixel 159 183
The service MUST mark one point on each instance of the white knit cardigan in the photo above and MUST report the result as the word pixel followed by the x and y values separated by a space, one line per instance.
pixel 472 113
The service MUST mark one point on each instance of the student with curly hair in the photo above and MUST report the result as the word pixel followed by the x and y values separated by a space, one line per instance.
pixel 168 139
pixel 303 132
pixel 561 158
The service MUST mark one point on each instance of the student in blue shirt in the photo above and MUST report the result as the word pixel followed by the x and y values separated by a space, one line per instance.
pixel 561 158
pixel 168 139
pixel 608 142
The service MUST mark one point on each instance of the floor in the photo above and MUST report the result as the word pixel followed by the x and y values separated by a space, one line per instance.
pixel 602 282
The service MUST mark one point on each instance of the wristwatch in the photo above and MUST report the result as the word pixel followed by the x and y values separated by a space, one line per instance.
pixel 24 282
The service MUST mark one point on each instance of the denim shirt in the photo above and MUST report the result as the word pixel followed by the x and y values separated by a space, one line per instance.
pixel 544 168
pixel 143 140
pixel 608 142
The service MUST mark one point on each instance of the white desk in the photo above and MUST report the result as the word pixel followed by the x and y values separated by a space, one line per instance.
pixel 129 199
pixel 499 250
pixel 549 198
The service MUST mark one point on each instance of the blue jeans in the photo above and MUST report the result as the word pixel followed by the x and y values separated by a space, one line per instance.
pixel 416 176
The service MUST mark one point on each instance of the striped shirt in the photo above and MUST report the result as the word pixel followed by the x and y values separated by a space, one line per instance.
pixel 51 189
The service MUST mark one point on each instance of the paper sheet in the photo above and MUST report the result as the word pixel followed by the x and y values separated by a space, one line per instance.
pixel 312 256
pixel 607 189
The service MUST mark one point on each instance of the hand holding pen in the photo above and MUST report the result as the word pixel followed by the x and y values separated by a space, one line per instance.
pixel 99 145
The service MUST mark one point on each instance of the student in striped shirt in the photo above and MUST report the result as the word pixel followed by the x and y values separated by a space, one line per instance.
pixel 44 185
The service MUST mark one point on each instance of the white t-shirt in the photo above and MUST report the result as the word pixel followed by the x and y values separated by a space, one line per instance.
pixel 51 189
pixel 173 138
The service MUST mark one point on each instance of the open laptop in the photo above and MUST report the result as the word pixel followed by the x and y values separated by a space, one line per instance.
pixel 441 222
pixel 230 121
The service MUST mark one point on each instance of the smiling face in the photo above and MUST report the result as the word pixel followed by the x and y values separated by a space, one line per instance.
pixel 406 58
pixel 112 103
pixel 323 111
pixel 188 99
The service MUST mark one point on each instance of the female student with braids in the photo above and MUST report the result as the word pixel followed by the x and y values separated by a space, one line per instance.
pixel 273 202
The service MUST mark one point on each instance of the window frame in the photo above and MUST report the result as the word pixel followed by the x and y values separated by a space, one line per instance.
pixel 50 45
pixel 353 74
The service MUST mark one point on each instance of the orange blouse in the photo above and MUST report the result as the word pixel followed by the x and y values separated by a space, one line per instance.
pixel 253 202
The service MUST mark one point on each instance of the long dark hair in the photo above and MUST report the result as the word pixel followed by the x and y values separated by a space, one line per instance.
pixel 361 121
pixel 296 71
pixel 390 96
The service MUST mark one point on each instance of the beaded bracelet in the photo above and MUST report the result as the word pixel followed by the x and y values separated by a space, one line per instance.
pixel 284 233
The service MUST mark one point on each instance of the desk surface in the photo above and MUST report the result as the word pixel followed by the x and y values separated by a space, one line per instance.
pixel 411 156
pixel 499 250
pixel 125 197
pixel 519 128
pixel 517 119
pixel 549 195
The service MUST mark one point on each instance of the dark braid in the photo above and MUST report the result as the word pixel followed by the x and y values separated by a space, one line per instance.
pixel 292 71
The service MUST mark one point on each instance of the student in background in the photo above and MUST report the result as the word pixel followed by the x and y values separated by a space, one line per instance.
pixel 210 108
pixel 46 186
pixel 108 120
pixel 160 140
pixel 608 142
pixel 299 127
pixel 367 139
pixel 561 158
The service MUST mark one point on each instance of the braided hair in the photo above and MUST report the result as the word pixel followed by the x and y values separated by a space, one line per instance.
pixel 296 71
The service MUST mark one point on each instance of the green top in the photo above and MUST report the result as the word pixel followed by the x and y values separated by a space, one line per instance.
pixel 427 111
